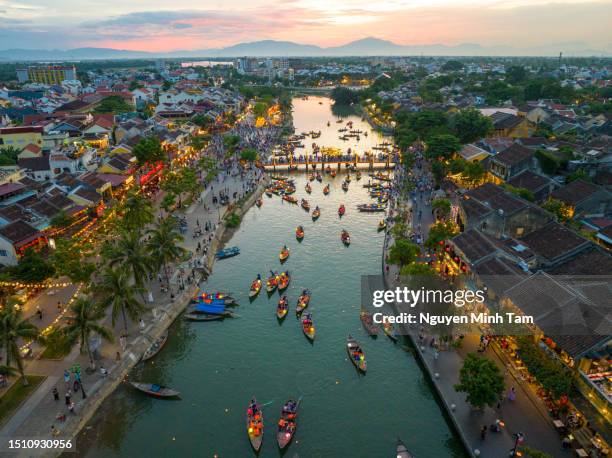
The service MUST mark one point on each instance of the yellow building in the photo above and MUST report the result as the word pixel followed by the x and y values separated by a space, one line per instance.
pixel 46 74
pixel 20 137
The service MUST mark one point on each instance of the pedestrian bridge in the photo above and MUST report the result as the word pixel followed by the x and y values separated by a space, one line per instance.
pixel 320 165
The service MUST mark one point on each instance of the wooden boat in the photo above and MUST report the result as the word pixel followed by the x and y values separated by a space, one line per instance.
pixel 382 225
pixel 305 205
pixel 302 302
pixel 156 347
pixel 214 298
pixel 255 287
pixel 348 178
pixel 290 199
pixel 339 121
pixel 328 169
pixel 254 424
pixel 299 233
pixel 284 254
pixel 390 331
pixel 228 252
pixel 279 177
pixel 308 326
pixel 282 308
pixel 319 177
pixel 316 213
pixel 308 188
pixel 283 281
pixel 158 391
pixel 272 282
pixel 202 317
pixel 345 186
pixel 269 192
pixel 371 207
pixel 326 189
pixel 368 323
pixel 287 423
pixel 333 174
pixel 341 210
pixel 356 354
pixel 345 237
pixel 402 451
pixel 311 177
pixel 258 202
pixel 358 176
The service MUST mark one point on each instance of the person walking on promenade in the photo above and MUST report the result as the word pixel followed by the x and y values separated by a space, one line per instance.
pixel 68 397
pixel 55 394
pixel 67 378
pixel 483 432
pixel 512 394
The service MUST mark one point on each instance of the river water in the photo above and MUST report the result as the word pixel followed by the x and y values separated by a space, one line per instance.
pixel 218 366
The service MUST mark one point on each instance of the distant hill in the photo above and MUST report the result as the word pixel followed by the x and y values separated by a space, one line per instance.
pixel 267 48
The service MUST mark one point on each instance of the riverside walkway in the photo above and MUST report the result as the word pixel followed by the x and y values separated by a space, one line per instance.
pixel 526 414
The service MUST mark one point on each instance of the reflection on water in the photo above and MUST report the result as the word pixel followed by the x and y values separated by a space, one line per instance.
pixel 218 366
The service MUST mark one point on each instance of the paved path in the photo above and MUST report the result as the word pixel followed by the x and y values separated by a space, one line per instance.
pixel 525 414
pixel 39 411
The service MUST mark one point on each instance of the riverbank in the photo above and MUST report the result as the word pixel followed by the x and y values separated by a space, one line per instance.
pixel 388 130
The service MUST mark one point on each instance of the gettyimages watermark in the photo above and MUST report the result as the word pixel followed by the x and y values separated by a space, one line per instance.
pixel 504 305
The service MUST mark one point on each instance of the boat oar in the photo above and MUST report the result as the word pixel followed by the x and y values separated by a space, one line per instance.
pixel 266 404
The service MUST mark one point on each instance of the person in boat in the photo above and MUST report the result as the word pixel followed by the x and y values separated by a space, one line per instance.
pixel 284 248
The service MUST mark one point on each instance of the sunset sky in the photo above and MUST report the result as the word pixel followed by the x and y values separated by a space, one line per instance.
pixel 156 25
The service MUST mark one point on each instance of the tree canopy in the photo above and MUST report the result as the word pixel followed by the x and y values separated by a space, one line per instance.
pixel 149 150
pixel 481 380
pixel 470 125
pixel 344 96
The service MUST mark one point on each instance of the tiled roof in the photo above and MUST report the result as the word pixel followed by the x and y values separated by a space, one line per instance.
pixel 589 262
pixel 553 241
pixel 474 245
pixel 19 232
pixel 35 164
pixel 529 180
pixel 9 188
pixel 575 192
pixel 514 154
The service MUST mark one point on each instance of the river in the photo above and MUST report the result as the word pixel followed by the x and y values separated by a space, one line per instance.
pixel 218 366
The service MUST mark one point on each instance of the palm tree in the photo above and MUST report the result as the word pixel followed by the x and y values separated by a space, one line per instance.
pixel 83 322
pixel 12 329
pixel 118 293
pixel 138 211
pixel 131 253
pixel 163 244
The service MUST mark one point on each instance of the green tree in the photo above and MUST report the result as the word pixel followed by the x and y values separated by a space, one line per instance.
pixel 166 85
pixel 558 208
pixel 61 220
pixel 72 260
pixel 440 232
pixel 168 202
pixel 129 252
pixel 83 321
pixel 473 173
pixel 442 146
pixel 230 142
pixel 452 66
pixel 149 150
pixel 113 104
pixel 14 329
pixel 260 109
pixel 119 294
pixel 549 164
pixel 579 174
pixel 248 154
pixel 470 125
pixel 344 96
pixel 442 207
pixel 516 74
pixel 202 121
pixel 521 192
pixel 533 453
pixel 163 244
pixel 137 211
pixel 403 252
pixel 8 155
pixel 481 380
pixel 32 268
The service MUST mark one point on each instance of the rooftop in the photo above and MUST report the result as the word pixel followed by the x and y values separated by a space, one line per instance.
pixel 474 245
pixel 553 241
pixel 575 192
pixel 514 154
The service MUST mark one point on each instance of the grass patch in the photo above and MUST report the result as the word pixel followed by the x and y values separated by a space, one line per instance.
pixel 55 352
pixel 16 394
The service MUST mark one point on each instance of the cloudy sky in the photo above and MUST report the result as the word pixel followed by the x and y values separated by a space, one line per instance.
pixel 163 25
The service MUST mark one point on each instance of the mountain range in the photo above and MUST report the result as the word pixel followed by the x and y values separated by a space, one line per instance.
pixel 271 48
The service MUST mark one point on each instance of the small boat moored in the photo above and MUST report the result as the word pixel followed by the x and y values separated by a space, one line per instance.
pixel 326 189
pixel 228 252
pixel 299 233
pixel 308 188
pixel 157 391
pixel 341 210
pixel 345 186
pixel 382 225
pixel 272 282
pixel 290 199
pixel 258 202
pixel 368 323
pixel 402 451
pixel 156 347
pixel 305 205
pixel 356 354
pixel 254 424
pixel 283 281
pixel 391 332
pixel 202 317
pixel 316 213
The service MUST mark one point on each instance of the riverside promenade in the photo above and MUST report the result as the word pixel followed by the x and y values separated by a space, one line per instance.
pixel 526 414
pixel 38 413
